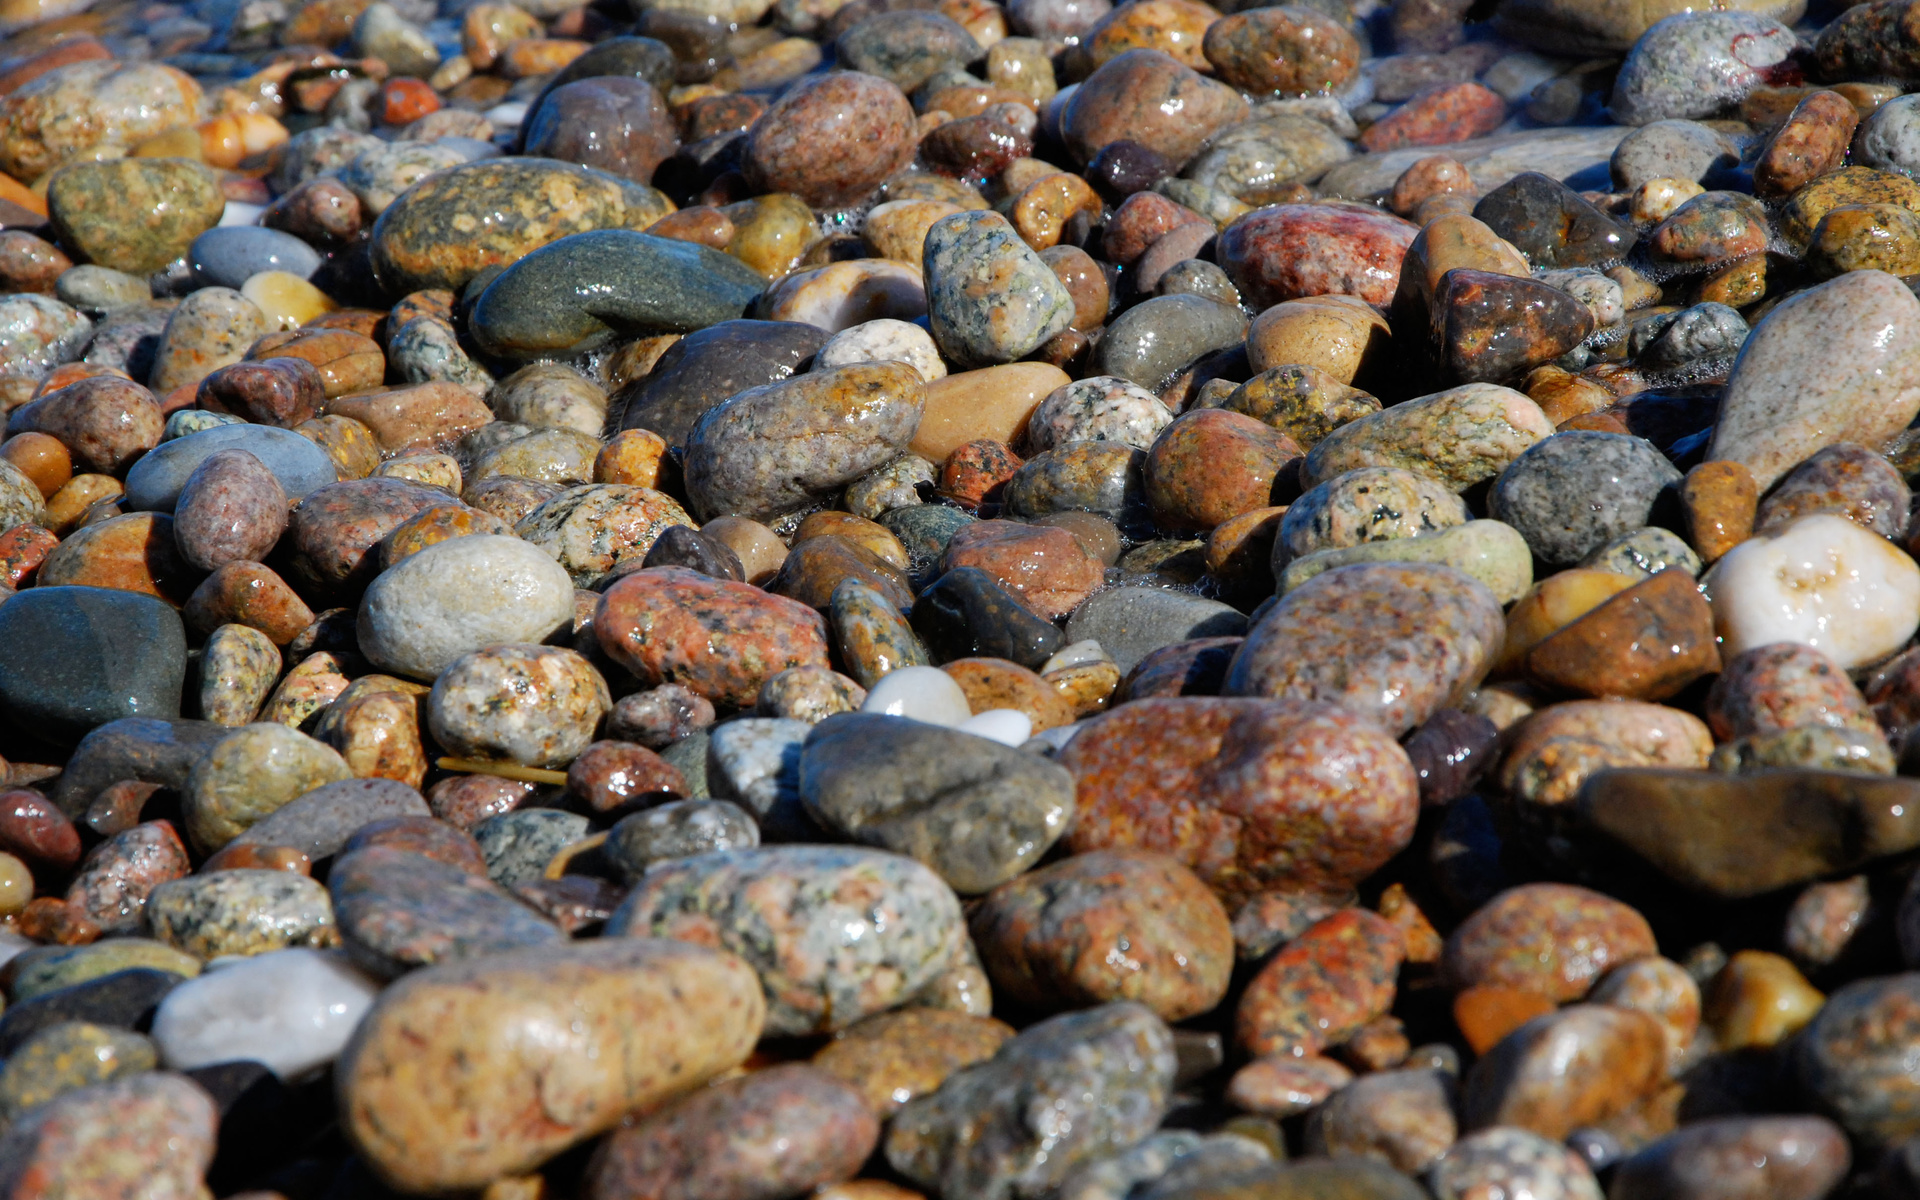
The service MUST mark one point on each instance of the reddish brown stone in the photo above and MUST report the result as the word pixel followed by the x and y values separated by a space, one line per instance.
pixel 335 528
pixel 1151 98
pixel 347 361
pixel 427 416
pixel 33 830
pixel 68 50
pixel 29 263
pixel 118 806
pixel 428 836
pixel 1293 50
pixel 105 421
pixel 282 391
pixel 1434 175
pixel 895 1056
pixel 1812 142
pixel 1551 938
pixel 466 800
pixel 1141 220
pixel 996 683
pixel 248 593
pixel 258 856
pixel 231 509
pixel 977 472
pixel 1574 1067
pixel 22 549
pixel 1322 987
pixel 779 1132
pixel 134 553
pixel 325 213
pixel 1293 250
pixel 1192 668
pixel 56 922
pixel 831 139
pixel 121 872
pixel 720 638
pixel 1438 116
pixel 1645 643
pixel 1244 791
pixel 1110 925
pixel 817 565
pixel 1044 567
pixel 378 734
pixel 612 775
pixel 1212 465
pixel 403 101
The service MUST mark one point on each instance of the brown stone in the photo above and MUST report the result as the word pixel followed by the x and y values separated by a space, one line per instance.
pixel 1322 987
pixel 135 553
pixel 996 683
pixel 1646 643
pixel 1045 568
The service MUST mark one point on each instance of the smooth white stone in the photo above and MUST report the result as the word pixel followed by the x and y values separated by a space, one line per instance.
pixel 508 115
pixel 292 1010
pixel 1823 581
pixel 883 340
pixel 239 212
pixel 1008 726
pixel 922 693
pixel 1076 654
pixel 12 945
pixel 1053 741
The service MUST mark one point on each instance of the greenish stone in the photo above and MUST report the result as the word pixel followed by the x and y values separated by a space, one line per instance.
pixel 690 755
pixel 1821 747
pixel 1644 553
pixel 990 298
pixel 49 968
pixel 447 229
pixel 872 636
pixel 1460 436
pixel 242 912
pixel 67 1056
pixel 1303 402
pixel 1490 551
pixel 134 214
pixel 925 530
pixel 583 290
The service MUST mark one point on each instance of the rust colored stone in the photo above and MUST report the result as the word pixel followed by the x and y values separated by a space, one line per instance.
pixel 1322 987
pixel 1645 643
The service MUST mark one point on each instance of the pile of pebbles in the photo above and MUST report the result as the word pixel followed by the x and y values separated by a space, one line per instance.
pixel 920 600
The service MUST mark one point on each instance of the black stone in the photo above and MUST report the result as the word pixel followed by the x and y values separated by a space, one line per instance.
pixel 641 58
pixel 122 1000
pixel 1450 753
pixel 683 546
pixel 698 41
pixel 702 369
pixel 966 614
pixel 146 749
pixel 581 291
pixel 1553 225
pixel 75 658
pixel 1123 168
pixel 1499 327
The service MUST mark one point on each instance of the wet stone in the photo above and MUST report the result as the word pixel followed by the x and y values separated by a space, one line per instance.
pixel 242 912
pixel 1617 479
pixel 977 813
pixel 398 910
pixel 1551 224
pixel 910 918
pixel 1112 1066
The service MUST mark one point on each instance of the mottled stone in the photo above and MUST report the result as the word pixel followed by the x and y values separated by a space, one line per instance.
pixel 1169 775
pixel 1296 250
pixel 534 705
pixel 1555 939
pixel 248 774
pixel 433 1084
pixel 1322 986
pixel 1574 1067
pixel 1109 1071
pixel 1306 648
pixel 977 813
pixel 398 910
pixel 831 140
pixel 242 912
pixel 1515 1161
pixel 785 910
pixel 720 638
pixel 146 1134
pixel 134 214
pixel 1806 379
pixel 1460 436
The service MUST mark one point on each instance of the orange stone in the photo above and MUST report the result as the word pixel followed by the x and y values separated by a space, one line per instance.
pixel 1486 1015
pixel 404 101
pixel 42 457
pixel 258 856
pixel 133 553
pixel 996 683
pixel 1719 500
pixel 632 457
pixel 1646 643
pixel 701 224
pixel 22 549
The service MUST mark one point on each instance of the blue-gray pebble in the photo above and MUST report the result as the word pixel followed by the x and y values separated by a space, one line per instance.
pixel 1574 492
pixel 154 483
pixel 227 255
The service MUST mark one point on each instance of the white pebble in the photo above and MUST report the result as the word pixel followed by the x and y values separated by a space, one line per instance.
pixel 1008 726
pixel 238 212
pixel 508 115
pixel 922 693
pixel 292 1010
pixel 884 340
pixel 1823 581
pixel 1076 654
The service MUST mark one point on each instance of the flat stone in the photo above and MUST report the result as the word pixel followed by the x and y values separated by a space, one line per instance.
pixel 84 656
pixel 154 482
pixel 1132 622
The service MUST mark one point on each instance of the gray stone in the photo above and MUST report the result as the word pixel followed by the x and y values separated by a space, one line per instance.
pixel 228 255
pixel 990 298
pixel 977 812
pixel 755 762
pixel 518 845
pixel 154 482
pixel 79 657
pixel 678 830
pixel 1104 1076
pixel 1150 342
pixel 1671 150
pixel 1890 137
pixel 1132 622
pixel 1574 492
pixel 398 910
pixel 458 596
pixel 1697 64
pixel 583 290
pixel 319 823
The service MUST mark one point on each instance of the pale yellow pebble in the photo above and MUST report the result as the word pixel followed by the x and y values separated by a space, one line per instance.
pixel 287 300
